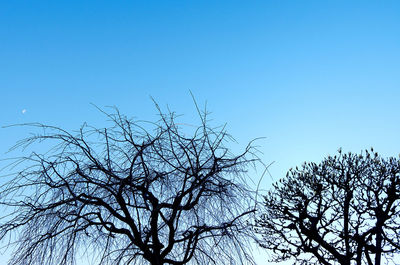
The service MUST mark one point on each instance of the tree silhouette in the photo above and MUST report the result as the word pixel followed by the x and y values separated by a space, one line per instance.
pixel 133 193
pixel 345 210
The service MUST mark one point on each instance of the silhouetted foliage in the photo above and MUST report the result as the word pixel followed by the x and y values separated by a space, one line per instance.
pixel 345 210
pixel 133 193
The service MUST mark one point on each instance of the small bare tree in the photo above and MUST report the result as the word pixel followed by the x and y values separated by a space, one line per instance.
pixel 345 210
pixel 132 193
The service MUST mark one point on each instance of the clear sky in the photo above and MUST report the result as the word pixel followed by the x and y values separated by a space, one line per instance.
pixel 310 76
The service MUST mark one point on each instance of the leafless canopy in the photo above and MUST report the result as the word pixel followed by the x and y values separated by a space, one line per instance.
pixel 133 193
pixel 345 210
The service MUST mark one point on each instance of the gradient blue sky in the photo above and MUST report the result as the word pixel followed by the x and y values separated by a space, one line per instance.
pixel 310 76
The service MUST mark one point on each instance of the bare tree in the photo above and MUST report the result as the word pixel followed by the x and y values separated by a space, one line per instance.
pixel 133 193
pixel 345 210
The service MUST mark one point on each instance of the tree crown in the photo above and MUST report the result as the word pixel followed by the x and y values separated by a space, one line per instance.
pixel 132 193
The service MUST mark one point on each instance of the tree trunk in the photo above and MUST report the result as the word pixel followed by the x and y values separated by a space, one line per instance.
pixel 379 237
pixel 349 196
pixel 156 261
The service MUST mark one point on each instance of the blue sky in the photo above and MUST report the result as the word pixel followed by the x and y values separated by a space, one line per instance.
pixel 310 76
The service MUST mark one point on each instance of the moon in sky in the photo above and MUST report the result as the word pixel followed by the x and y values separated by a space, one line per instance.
pixel 23 111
